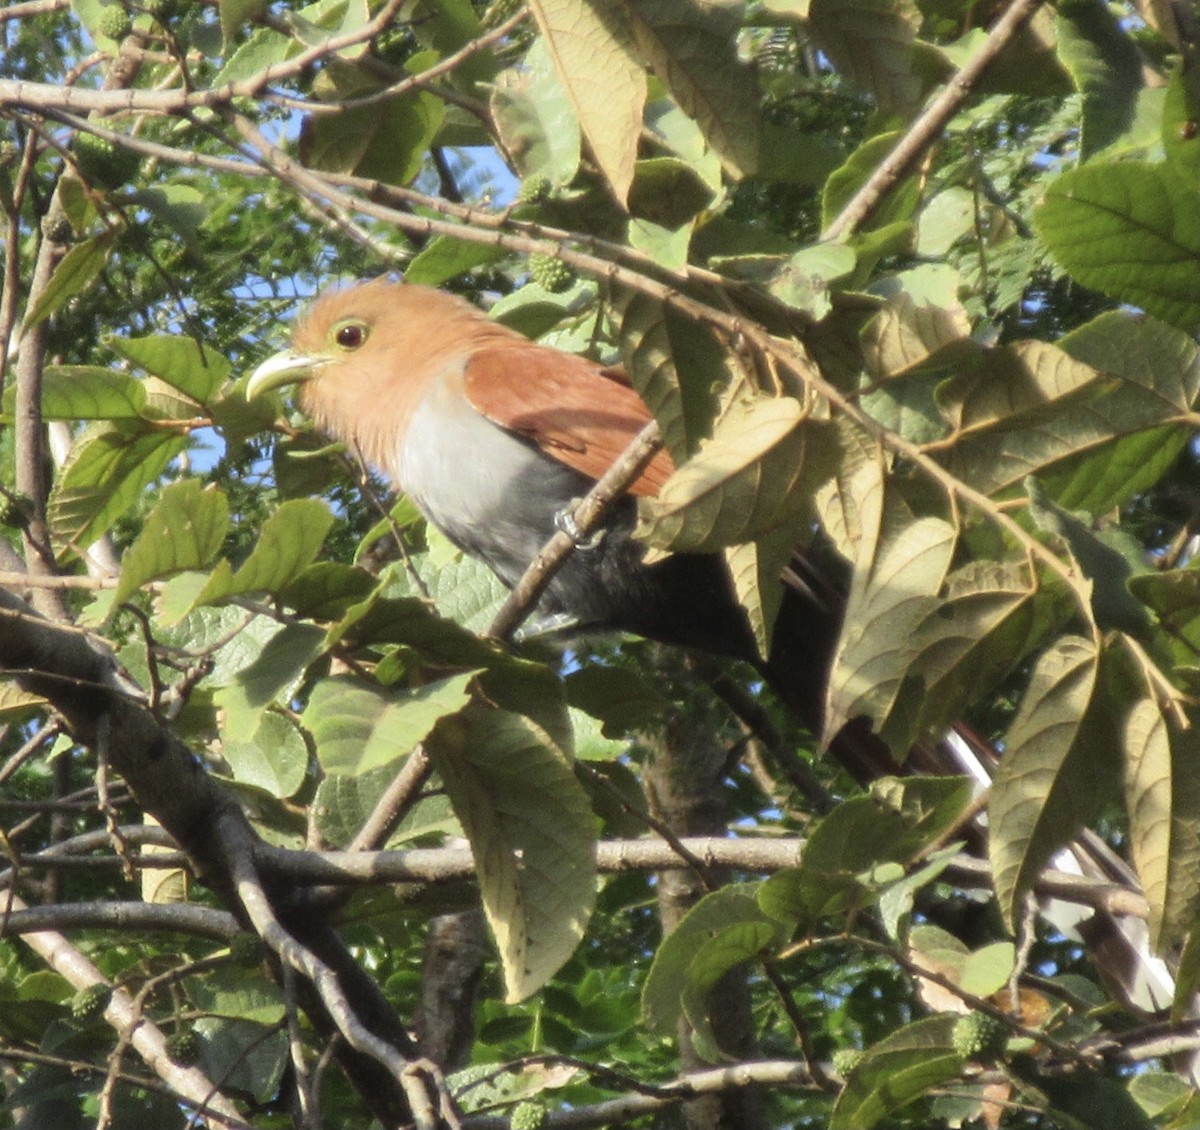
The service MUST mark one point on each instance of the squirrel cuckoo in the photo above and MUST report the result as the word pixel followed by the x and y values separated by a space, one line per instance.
pixel 493 437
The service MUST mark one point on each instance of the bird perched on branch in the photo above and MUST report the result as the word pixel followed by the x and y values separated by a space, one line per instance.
pixel 495 437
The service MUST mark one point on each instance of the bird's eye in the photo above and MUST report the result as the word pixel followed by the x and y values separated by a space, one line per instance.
pixel 350 335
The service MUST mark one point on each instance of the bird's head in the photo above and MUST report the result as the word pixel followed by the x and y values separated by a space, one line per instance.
pixel 364 356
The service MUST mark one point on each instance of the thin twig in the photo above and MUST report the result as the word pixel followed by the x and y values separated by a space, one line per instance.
pixel 587 517
pixel 930 123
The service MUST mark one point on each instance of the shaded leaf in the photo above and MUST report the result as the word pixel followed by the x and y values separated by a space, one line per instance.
pixel 591 45
pixel 987 619
pixel 741 483
pixel 1162 797
pixel 899 569
pixel 896 1071
pixel 666 983
pixel 871 42
pixel 691 47
pixel 1059 765
pixel 76 271
pixel 674 365
pixel 535 121
pixel 1106 67
pixel 532 832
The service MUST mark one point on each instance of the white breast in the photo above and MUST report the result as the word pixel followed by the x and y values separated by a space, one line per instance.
pixel 489 491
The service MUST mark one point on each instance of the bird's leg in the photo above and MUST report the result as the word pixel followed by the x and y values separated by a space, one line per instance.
pixel 552 624
pixel 564 520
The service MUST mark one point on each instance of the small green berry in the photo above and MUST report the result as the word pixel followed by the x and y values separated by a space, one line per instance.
pixel 114 22
pixel 529 1116
pixel 16 510
pixel 161 10
pixel 550 273
pixel 846 1060
pixel 979 1035
pixel 104 163
pixel 91 1001
pixel 534 189
pixel 184 1047
pixel 246 950
pixel 57 228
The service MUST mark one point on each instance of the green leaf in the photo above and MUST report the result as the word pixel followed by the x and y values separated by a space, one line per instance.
pixel 86 392
pixel 591 46
pixel 185 530
pixel 740 485
pixel 896 1071
pixel 231 991
pixel 243 1055
pixel 445 257
pixel 235 14
pixel 1107 68
pixel 986 971
pixel 858 835
pixel 263 48
pixel 532 832
pixel 357 727
pixel 803 282
pixel 182 362
pixel 108 469
pixel 534 118
pixel 665 246
pixel 1179 116
pixel 343 803
pixel 290 540
pixel 77 270
pixel 1130 230
pixel 274 758
pixel 270 667
pixel 666 983
pixel 729 947
pixel 1059 765
pixel 1094 1103
pixel 898 204
pixel 1165 1096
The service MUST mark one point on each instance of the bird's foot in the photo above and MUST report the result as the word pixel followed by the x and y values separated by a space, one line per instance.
pixel 564 520
pixel 553 624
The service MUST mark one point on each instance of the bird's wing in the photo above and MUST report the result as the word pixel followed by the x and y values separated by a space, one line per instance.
pixel 575 410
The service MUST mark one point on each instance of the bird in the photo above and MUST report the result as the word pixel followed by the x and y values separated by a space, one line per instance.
pixel 494 437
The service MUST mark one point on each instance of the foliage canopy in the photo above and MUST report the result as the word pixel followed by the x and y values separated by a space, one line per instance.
pixel 912 289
